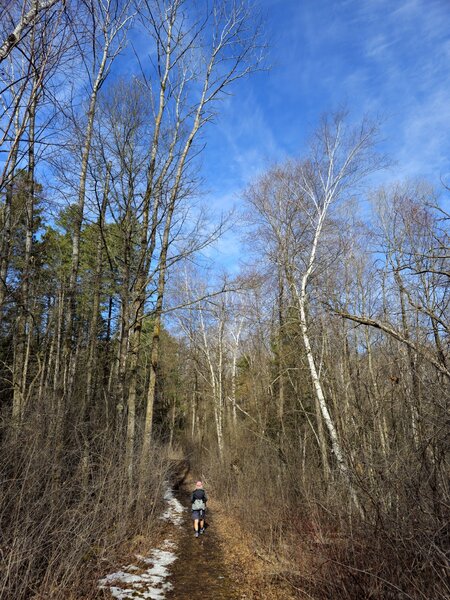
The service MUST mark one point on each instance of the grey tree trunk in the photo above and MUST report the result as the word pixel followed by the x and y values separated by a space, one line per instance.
pixel 21 355
pixel 93 329
pixel 69 357
pixel 5 247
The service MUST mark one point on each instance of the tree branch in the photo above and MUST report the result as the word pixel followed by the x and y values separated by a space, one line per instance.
pixel 27 20
pixel 396 335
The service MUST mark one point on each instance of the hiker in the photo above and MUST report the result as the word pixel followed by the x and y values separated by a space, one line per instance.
pixel 198 500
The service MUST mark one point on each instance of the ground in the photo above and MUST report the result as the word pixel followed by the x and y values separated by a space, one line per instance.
pixel 219 565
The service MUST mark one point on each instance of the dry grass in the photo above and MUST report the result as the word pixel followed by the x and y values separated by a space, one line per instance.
pixel 304 540
pixel 257 575
pixel 62 521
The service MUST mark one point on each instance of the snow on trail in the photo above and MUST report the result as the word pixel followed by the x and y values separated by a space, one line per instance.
pixel 175 509
pixel 148 579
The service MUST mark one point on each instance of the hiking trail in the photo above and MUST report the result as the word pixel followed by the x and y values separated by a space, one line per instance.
pixel 181 567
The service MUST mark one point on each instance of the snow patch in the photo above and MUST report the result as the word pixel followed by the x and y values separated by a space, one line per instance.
pixel 148 582
pixel 174 511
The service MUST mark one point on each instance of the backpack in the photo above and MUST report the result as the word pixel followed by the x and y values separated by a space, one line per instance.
pixel 199 500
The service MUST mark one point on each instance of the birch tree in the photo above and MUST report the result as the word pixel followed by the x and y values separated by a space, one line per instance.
pixel 295 206
pixel 214 49
pixel 340 158
pixel 281 235
pixel 25 89
pixel 27 18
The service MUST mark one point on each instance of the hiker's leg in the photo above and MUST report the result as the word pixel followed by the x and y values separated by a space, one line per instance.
pixel 195 524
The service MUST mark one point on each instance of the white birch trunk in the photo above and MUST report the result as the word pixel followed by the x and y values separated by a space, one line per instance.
pixel 27 21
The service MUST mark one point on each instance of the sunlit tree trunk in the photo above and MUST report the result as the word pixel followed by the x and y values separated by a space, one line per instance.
pixel 280 351
pixel 320 396
pixel 27 20
pixel 236 335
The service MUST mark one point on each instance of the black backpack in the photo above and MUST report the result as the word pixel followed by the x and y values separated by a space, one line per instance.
pixel 199 495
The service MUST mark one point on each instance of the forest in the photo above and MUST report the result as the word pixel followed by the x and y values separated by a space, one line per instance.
pixel 308 387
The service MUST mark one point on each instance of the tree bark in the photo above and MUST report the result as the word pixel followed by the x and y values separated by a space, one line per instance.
pixel 280 351
pixel 78 221
pixel 301 297
pixel 93 329
pixel 28 20
pixel 6 232
pixel 21 355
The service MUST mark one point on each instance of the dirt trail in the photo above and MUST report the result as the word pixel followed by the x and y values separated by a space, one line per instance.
pixel 181 567
pixel 200 570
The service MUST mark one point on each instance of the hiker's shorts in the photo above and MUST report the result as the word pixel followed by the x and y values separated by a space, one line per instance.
pixel 198 515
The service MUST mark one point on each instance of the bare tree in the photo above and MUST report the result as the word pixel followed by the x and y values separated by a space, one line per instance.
pixel 407 232
pixel 115 17
pixel 29 15
pixel 210 55
pixel 297 211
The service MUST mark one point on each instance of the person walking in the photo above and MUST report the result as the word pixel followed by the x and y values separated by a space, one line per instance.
pixel 198 501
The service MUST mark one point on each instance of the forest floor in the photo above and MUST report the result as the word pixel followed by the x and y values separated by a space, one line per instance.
pixel 219 565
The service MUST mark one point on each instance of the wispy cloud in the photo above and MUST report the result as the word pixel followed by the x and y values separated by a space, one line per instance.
pixel 389 59
pixel 380 57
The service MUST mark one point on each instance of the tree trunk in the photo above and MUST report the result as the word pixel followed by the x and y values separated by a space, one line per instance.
pixel 6 233
pixel 27 20
pixel 21 355
pixel 69 357
pixel 280 351
pixel 379 416
pixel 194 402
pixel 218 400
pixel 301 298
pixel 93 329
pixel 412 360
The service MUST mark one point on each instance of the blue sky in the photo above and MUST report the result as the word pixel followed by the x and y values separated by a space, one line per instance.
pixel 387 58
